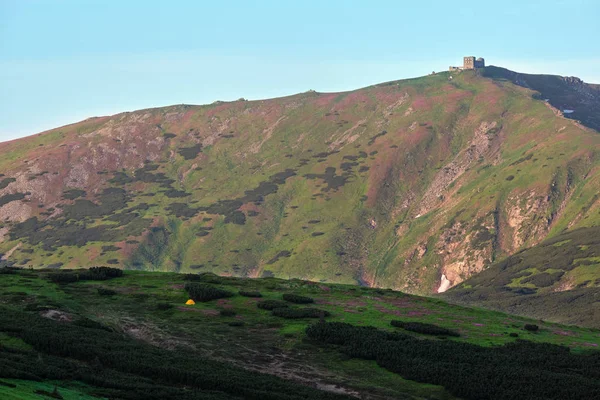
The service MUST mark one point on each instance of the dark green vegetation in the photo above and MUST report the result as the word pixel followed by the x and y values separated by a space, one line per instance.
pixel 91 274
pixel 520 370
pixel 271 304
pixel 73 194
pixel 143 342
pixel 247 293
pixel 426 329
pixel 71 229
pixel 558 279
pixel 189 153
pixel 6 181
pixel 7 198
pixel 203 292
pixel 294 298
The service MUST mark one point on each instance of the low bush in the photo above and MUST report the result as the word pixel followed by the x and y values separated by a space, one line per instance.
pixel 164 306
pixel 203 292
pixel 531 327
pixel 110 272
pixel 106 292
pixel 192 277
pixel 427 329
pixel 271 304
pixel 63 277
pixel 100 274
pixel 296 313
pixel 209 277
pixel 297 299
pixel 246 293
pixel 227 312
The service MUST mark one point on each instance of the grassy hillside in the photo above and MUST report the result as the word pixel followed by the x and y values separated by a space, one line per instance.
pixel 556 280
pixel 133 336
pixel 414 185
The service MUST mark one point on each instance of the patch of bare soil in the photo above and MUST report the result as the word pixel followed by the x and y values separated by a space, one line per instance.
pixel 57 315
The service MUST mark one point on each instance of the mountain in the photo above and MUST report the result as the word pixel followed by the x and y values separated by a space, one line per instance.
pixel 557 280
pixel 107 334
pixel 415 185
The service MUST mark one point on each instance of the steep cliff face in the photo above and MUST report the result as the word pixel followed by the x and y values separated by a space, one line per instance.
pixel 415 185
pixel 557 280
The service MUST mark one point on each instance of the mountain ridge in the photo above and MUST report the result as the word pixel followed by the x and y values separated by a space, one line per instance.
pixel 395 158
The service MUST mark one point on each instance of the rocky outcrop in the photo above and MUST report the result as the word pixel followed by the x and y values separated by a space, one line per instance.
pixel 484 144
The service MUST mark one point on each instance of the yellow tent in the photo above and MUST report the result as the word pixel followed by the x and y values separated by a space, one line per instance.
pixel 190 302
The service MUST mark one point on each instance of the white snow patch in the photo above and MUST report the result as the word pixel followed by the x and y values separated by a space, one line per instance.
pixel 444 284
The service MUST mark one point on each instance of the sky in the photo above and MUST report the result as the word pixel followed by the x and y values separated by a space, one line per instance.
pixel 62 61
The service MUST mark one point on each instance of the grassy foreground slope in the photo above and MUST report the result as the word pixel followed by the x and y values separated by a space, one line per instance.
pixel 134 337
pixel 558 280
pixel 414 185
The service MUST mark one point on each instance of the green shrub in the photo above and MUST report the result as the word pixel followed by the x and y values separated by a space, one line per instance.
pixel 247 293
pixel 427 329
pixel 544 279
pixel 63 277
pixel 296 313
pixel 236 323
pixel 531 327
pixel 271 304
pixel 164 306
pixel 192 277
pixel 294 298
pixel 100 274
pixel 106 292
pixel 204 292
pixel 227 312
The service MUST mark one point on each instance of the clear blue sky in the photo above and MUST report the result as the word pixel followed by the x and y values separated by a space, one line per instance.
pixel 65 60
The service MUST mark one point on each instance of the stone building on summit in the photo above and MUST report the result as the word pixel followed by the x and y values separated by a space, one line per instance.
pixel 470 62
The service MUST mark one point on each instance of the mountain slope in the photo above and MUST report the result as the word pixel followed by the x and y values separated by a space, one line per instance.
pixel 582 100
pixel 557 280
pixel 414 184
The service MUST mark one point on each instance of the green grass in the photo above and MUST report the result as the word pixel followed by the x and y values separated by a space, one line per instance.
pixel 134 310
pixel 26 390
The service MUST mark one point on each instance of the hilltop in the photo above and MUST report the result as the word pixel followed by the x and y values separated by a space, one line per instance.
pixel 415 185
